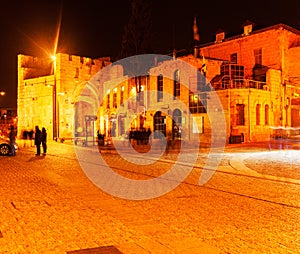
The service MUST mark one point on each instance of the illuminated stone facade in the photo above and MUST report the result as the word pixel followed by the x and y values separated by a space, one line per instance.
pixel 270 58
pixel 46 84
pixel 255 77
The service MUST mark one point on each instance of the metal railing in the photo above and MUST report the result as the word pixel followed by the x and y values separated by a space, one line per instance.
pixel 225 83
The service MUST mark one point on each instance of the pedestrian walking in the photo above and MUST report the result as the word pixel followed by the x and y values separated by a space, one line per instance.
pixel 37 140
pixel 12 139
pixel 44 140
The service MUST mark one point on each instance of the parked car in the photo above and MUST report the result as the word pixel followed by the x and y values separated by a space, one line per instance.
pixel 5 148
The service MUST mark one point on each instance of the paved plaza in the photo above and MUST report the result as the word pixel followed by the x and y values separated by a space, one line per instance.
pixel 250 205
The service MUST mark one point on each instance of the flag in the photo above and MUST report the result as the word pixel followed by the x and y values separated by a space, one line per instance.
pixel 204 67
pixel 195 30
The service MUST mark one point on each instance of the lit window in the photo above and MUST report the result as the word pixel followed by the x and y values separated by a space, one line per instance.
pixel 197 103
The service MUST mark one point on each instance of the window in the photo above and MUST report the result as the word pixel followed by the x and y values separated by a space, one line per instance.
pixel 258 114
pixel 197 103
pixel 108 100
pixel 122 95
pixel 233 71
pixel 240 114
pixel 139 89
pixel 176 124
pixel 159 124
pixel 115 98
pixel 233 58
pixel 258 57
pixel 160 87
pixel 198 124
pixel 267 114
pixel 177 84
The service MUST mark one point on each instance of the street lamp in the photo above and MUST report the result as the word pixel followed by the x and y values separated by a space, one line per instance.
pixel 54 102
pixel 2 93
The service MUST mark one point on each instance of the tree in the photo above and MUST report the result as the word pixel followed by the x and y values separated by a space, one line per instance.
pixel 137 33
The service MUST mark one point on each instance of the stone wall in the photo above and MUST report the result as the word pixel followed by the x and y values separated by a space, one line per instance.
pixel 37 79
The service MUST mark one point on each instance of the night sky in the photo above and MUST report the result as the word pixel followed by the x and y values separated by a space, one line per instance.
pixel 94 28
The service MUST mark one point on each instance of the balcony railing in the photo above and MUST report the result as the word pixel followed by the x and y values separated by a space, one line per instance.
pixel 239 83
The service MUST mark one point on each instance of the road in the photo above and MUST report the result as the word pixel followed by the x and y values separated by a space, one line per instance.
pixel 49 205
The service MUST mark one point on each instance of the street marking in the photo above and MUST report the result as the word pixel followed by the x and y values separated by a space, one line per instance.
pixel 99 250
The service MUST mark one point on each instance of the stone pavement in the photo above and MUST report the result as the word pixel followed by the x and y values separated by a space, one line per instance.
pixel 48 205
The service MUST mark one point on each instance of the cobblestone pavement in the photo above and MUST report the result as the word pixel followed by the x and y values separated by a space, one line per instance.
pixel 250 205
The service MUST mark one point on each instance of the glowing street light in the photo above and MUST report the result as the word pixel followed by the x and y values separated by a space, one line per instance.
pixel 2 93
pixel 55 120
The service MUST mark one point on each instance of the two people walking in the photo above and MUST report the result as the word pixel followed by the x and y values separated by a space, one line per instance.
pixel 40 138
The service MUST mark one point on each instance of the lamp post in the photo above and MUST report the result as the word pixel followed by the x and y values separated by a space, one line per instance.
pixel 2 93
pixel 54 102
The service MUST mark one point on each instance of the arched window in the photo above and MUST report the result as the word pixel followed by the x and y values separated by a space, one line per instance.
pixel 257 114
pixel 266 114
pixel 177 124
pixel 160 87
pixel 177 84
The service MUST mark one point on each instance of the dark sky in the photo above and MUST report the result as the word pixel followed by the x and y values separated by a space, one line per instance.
pixel 94 28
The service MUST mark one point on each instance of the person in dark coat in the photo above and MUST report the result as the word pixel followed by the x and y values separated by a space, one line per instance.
pixel 44 140
pixel 37 140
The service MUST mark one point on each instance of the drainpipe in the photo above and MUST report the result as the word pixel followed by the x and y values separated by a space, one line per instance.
pixel 249 117
pixel 229 113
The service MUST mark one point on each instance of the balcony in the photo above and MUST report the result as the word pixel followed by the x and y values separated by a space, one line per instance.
pixel 225 83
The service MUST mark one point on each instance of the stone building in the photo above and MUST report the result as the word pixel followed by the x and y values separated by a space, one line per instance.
pixel 249 81
pixel 49 88
pixel 260 76
pixel 254 75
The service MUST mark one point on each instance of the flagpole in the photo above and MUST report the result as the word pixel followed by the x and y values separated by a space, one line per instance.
pixel 196 37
